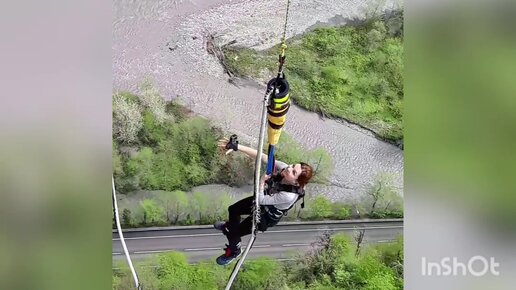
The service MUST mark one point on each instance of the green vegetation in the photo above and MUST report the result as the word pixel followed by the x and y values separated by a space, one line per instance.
pixel 159 146
pixel 383 199
pixel 164 208
pixel 350 72
pixel 290 151
pixel 332 263
pixel 174 152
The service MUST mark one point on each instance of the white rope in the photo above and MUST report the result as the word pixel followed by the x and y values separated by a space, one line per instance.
pixel 256 212
pixel 121 235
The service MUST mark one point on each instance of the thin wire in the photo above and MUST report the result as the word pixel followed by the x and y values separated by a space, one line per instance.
pixel 121 235
pixel 286 20
pixel 256 215
pixel 283 45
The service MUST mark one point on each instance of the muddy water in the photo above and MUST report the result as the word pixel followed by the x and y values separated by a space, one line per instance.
pixel 165 41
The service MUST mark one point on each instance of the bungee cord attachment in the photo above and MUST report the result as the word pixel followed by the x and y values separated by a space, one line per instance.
pixel 276 103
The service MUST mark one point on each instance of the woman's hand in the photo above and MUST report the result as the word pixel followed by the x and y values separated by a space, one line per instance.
pixel 229 145
pixel 264 179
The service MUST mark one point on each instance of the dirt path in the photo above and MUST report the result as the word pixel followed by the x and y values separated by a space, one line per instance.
pixel 165 40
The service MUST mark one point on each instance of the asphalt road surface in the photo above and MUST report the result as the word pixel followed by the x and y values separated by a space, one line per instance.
pixel 280 242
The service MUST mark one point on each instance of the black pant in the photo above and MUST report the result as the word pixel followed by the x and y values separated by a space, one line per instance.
pixel 237 229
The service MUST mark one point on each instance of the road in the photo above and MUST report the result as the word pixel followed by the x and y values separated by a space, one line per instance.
pixel 280 242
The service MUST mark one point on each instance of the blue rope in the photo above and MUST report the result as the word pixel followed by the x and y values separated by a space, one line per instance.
pixel 270 162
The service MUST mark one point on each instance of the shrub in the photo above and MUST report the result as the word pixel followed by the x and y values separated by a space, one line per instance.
pixel 382 214
pixel 148 278
pixel 319 208
pixel 174 272
pixel 372 274
pixel 324 258
pixel 262 273
pixel 391 255
pixel 382 281
pixel 341 211
pixel 116 282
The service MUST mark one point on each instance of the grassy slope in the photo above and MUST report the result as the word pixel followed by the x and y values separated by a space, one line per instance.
pixel 353 73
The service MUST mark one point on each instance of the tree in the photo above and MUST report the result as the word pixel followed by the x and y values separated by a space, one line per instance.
pixel 127 119
pixel 289 150
pixel 152 213
pixel 168 168
pixel 166 202
pixel 219 208
pixel 330 265
pixel 321 163
pixel 153 101
pixel 378 189
pixel 117 160
pixel 153 131
pixel 141 166
pixel 127 221
pixel 320 207
pixel 375 36
pixel 359 238
pixel 234 169
pixel 175 204
pixel 199 206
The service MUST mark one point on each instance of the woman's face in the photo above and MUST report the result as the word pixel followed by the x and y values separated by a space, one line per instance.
pixel 291 173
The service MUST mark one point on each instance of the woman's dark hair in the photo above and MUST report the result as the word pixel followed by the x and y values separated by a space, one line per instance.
pixel 306 174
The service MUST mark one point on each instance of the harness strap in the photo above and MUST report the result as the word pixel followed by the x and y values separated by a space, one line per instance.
pixel 276 186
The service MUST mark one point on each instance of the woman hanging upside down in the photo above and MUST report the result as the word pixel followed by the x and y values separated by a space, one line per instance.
pixel 286 188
